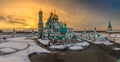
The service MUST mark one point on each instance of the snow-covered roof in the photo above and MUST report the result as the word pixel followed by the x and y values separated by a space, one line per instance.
pixel 76 48
pixel 44 42
pixel 83 44
pixel 57 47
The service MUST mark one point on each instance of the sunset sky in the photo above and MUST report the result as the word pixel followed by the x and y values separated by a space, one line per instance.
pixel 78 14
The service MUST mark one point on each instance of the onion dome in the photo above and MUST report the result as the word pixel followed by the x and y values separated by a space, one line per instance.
pixel 47 23
pixel 63 30
pixel 74 37
pixel 55 16
pixel 51 14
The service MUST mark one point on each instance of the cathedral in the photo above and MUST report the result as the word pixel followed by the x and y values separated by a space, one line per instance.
pixel 54 29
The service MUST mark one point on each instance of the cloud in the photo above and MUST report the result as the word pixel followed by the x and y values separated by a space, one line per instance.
pixel 2 18
pixel 10 19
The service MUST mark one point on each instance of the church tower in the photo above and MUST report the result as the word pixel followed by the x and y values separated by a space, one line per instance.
pixel 40 24
pixel 109 28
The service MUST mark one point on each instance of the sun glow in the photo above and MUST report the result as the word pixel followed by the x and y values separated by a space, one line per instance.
pixel 27 27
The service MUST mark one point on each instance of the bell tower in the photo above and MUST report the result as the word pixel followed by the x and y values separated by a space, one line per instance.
pixel 40 24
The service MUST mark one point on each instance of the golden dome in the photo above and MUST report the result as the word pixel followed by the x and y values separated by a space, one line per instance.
pixel 55 16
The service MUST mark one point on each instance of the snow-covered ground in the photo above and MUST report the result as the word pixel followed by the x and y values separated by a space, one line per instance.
pixel 7 50
pixel 14 45
pixel 22 55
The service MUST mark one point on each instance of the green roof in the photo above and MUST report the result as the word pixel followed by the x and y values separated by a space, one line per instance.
pixel 59 37
pixel 118 60
pixel 63 30
pixel 74 37
pixel 109 26
pixel 48 23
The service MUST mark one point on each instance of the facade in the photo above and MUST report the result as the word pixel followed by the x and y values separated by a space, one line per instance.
pixel 53 28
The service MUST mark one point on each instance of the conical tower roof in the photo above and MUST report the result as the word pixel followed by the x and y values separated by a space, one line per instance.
pixel 109 25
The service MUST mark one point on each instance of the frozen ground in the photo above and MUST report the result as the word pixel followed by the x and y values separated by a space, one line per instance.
pixel 25 47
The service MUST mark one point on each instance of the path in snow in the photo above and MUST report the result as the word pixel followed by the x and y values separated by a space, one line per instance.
pixel 22 55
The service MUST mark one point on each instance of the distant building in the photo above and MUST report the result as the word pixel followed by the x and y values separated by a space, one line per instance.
pixel 109 28
pixel 54 29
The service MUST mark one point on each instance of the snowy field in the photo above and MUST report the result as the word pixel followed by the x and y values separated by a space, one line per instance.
pixel 21 47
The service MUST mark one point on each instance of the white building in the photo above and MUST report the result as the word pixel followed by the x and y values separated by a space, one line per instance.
pixel 53 27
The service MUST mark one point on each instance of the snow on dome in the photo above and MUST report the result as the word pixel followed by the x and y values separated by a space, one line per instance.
pixel 18 46
pixel 57 47
pixel 44 42
pixel 76 48
pixel 83 44
pixel 7 50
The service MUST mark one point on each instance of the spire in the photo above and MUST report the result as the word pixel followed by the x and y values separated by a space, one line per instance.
pixel 40 12
pixel 65 25
pixel 40 15
pixel 54 12
pixel 55 16
pixel 95 30
pixel 109 26
pixel 51 14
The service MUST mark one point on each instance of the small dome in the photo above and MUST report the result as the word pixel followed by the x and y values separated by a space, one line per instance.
pixel 55 16
pixel 63 30
pixel 74 37
pixel 51 14
pixel 47 23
